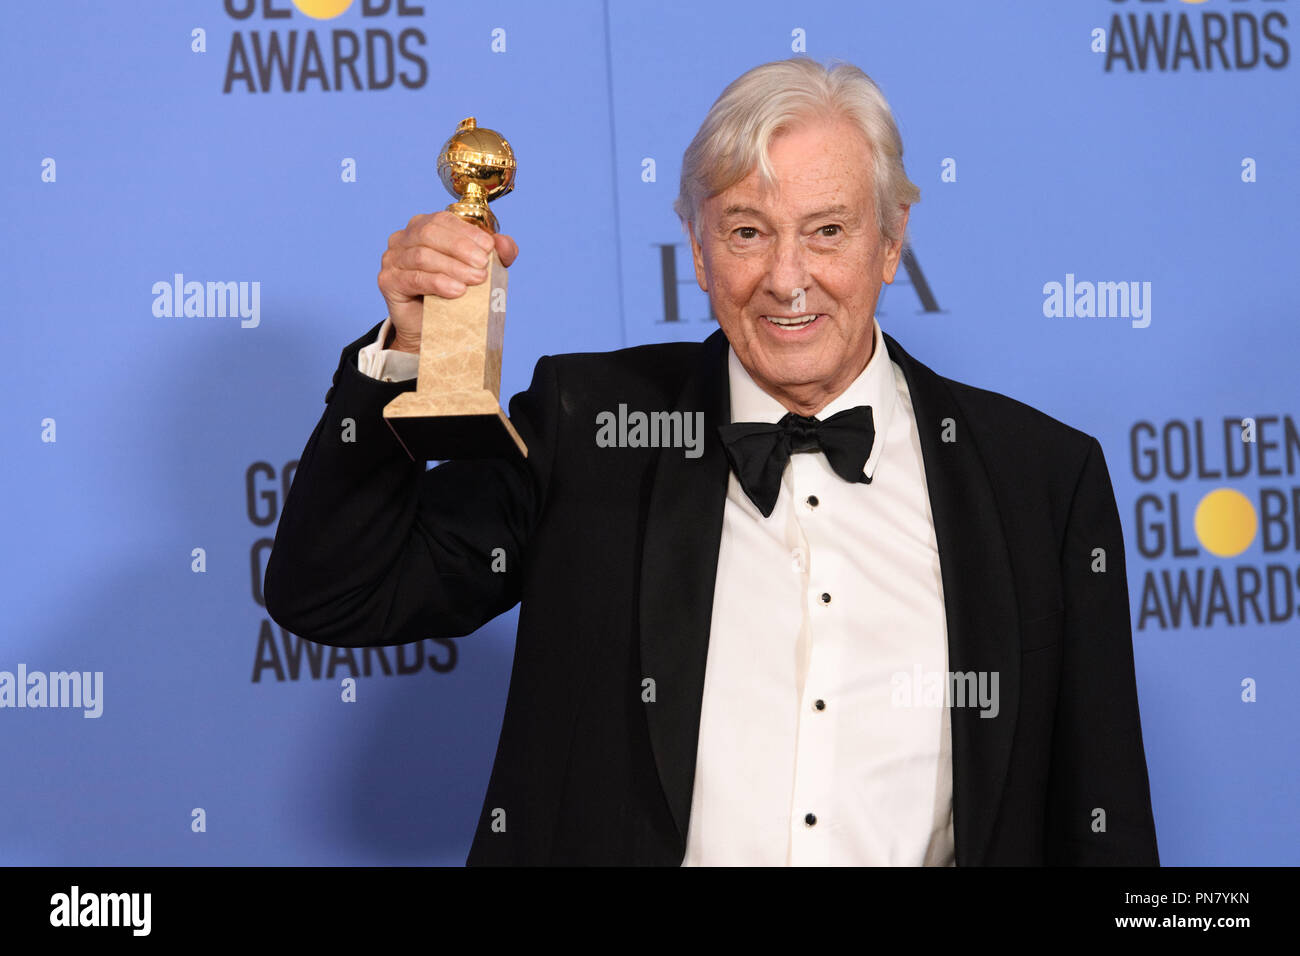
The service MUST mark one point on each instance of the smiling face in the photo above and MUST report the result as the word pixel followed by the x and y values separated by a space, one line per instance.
pixel 794 273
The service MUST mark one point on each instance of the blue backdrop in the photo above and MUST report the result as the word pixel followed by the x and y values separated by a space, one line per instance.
pixel 1153 144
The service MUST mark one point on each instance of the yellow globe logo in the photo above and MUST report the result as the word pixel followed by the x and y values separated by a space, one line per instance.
pixel 1226 522
pixel 322 9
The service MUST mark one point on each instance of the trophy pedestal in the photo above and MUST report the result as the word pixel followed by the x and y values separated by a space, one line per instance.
pixel 428 434
pixel 455 410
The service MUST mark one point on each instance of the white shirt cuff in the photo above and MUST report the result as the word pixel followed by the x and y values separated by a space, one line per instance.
pixel 387 365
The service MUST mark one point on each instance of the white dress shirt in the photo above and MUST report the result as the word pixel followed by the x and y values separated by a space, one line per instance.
pixel 388 365
pixel 823 615
pixel 839 604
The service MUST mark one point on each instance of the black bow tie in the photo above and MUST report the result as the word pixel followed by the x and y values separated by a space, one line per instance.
pixel 759 451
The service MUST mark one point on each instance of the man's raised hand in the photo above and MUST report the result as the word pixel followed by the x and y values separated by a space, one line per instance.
pixel 436 254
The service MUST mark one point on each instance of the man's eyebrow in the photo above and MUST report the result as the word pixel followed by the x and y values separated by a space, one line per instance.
pixel 737 210
pixel 837 209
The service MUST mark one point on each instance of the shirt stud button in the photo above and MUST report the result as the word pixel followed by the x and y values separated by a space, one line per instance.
pixel 812 501
pixel 810 819
pixel 826 597
pixel 820 705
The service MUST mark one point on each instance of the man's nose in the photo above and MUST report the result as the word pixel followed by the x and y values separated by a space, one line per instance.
pixel 789 269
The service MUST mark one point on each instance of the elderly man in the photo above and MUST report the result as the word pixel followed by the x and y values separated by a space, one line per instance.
pixel 878 617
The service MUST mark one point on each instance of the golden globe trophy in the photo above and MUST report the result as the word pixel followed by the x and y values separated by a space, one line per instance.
pixel 455 410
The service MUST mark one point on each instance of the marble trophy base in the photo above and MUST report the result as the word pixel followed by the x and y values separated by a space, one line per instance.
pixel 455 410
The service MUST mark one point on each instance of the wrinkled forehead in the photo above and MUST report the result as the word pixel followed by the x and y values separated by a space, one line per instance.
pixel 813 165
pixel 798 194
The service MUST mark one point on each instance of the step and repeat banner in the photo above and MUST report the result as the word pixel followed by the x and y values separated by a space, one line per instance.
pixel 196 196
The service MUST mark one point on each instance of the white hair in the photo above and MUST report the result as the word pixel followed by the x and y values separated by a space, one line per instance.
pixel 778 96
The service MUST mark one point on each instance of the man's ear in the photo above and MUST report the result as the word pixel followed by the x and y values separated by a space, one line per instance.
pixel 698 255
pixel 894 250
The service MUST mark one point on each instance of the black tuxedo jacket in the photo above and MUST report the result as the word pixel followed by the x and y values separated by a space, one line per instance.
pixel 613 554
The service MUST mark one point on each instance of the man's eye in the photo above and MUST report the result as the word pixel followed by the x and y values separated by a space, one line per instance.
pixel 830 235
pixel 749 229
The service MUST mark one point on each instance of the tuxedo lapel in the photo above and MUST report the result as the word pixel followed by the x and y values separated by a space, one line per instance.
pixel 679 562
pixel 979 602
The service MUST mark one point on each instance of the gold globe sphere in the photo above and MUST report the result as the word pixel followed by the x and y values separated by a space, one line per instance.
pixel 477 165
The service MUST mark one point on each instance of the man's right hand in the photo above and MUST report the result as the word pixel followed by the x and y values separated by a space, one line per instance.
pixel 436 254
